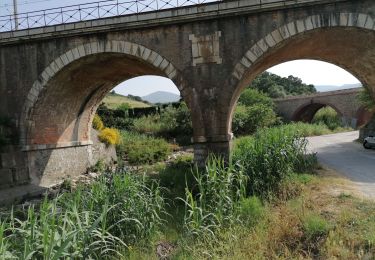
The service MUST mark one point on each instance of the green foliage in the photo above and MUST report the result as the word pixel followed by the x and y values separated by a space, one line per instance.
pixel 97 123
pixel 250 97
pixel 90 223
pixel 248 119
pixel 276 86
pixel 214 204
pixel 109 136
pixel 251 210
pixel 148 125
pixel 140 149
pixel 115 118
pixel 315 226
pixel 124 107
pixel 269 157
pixel 171 123
pixel 367 99
pixel 255 110
pixel 327 116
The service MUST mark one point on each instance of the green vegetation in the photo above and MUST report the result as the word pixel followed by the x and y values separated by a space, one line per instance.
pixel 114 101
pixel 139 149
pixel 329 117
pixel 367 99
pixel 171 123
pixel 259 206
pixel 255 110
pixel 279 87
pixel 269 156
pixel 96 222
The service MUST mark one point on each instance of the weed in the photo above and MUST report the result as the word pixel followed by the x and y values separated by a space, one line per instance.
pixel 109 136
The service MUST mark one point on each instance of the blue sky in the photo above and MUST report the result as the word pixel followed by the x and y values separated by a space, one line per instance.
pixel 311 72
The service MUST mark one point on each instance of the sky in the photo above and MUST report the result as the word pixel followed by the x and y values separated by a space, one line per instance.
pixel 310 71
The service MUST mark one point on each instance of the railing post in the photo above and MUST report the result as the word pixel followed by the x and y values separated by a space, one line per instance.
pixel 118 13
pixel 11 22
pixel 62 16
pixel 27 21
pixel 98 9
pixel 136 4
pixel 44 18
pixel 80 14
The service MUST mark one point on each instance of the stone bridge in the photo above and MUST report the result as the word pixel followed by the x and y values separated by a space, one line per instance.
pixel 344 102
pixel 53 78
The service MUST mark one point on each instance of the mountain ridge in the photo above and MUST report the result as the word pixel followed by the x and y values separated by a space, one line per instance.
pixel 161 97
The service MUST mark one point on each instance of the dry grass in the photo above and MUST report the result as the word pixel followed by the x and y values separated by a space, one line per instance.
pixel 113 101
pixel 328 220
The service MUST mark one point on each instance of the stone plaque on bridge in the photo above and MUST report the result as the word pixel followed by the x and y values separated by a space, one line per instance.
pixel 206 48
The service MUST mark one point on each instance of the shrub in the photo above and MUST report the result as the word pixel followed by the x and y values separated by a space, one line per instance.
pixel 97 123
pixel 366 98
pixel 109 136
pixel 247 119
pixel 329 117
pixel 269 157
pixel 139 149
pixel 148 125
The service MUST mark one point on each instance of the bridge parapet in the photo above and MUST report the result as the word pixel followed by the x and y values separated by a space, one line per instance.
pixel 96 17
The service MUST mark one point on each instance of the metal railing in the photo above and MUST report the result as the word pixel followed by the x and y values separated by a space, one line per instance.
pixel 89 11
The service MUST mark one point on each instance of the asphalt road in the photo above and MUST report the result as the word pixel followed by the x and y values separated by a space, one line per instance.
pixel 346 156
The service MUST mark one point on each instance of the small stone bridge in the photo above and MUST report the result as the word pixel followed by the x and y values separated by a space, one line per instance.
pixel 345 102
pixel 52 78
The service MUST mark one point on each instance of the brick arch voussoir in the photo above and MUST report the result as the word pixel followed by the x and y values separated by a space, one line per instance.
pixel 271 40
pixel 133 49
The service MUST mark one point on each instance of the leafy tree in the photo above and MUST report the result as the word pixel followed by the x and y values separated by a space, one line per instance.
pixel 276 86
pixel 255 110
pixel 252 96
pixel 367 99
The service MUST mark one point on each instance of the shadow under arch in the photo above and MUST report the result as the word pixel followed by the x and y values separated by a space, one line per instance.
pixel 306 112
pixel 342 39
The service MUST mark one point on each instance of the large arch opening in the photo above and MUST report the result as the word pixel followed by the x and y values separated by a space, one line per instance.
pixel 70 97
pixel 58 117
pixel 346 47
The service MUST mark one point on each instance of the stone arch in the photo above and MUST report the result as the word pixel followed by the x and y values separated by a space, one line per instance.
pixel 154 63
pixel 249 65
pixel 307 111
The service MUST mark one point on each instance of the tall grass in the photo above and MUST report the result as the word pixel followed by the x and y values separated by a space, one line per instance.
pixel 95 222
pixel 212 204
pixel 270 156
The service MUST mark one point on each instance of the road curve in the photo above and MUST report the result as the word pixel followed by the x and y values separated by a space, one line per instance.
pixel 342 153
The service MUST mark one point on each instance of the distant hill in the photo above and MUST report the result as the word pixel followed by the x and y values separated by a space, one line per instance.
pixel 162 97
pixel 114 100
pixel 323 88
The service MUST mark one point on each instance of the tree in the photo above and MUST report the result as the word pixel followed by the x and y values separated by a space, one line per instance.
pixel 255 110
pixel 366 98
pixel 276 86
